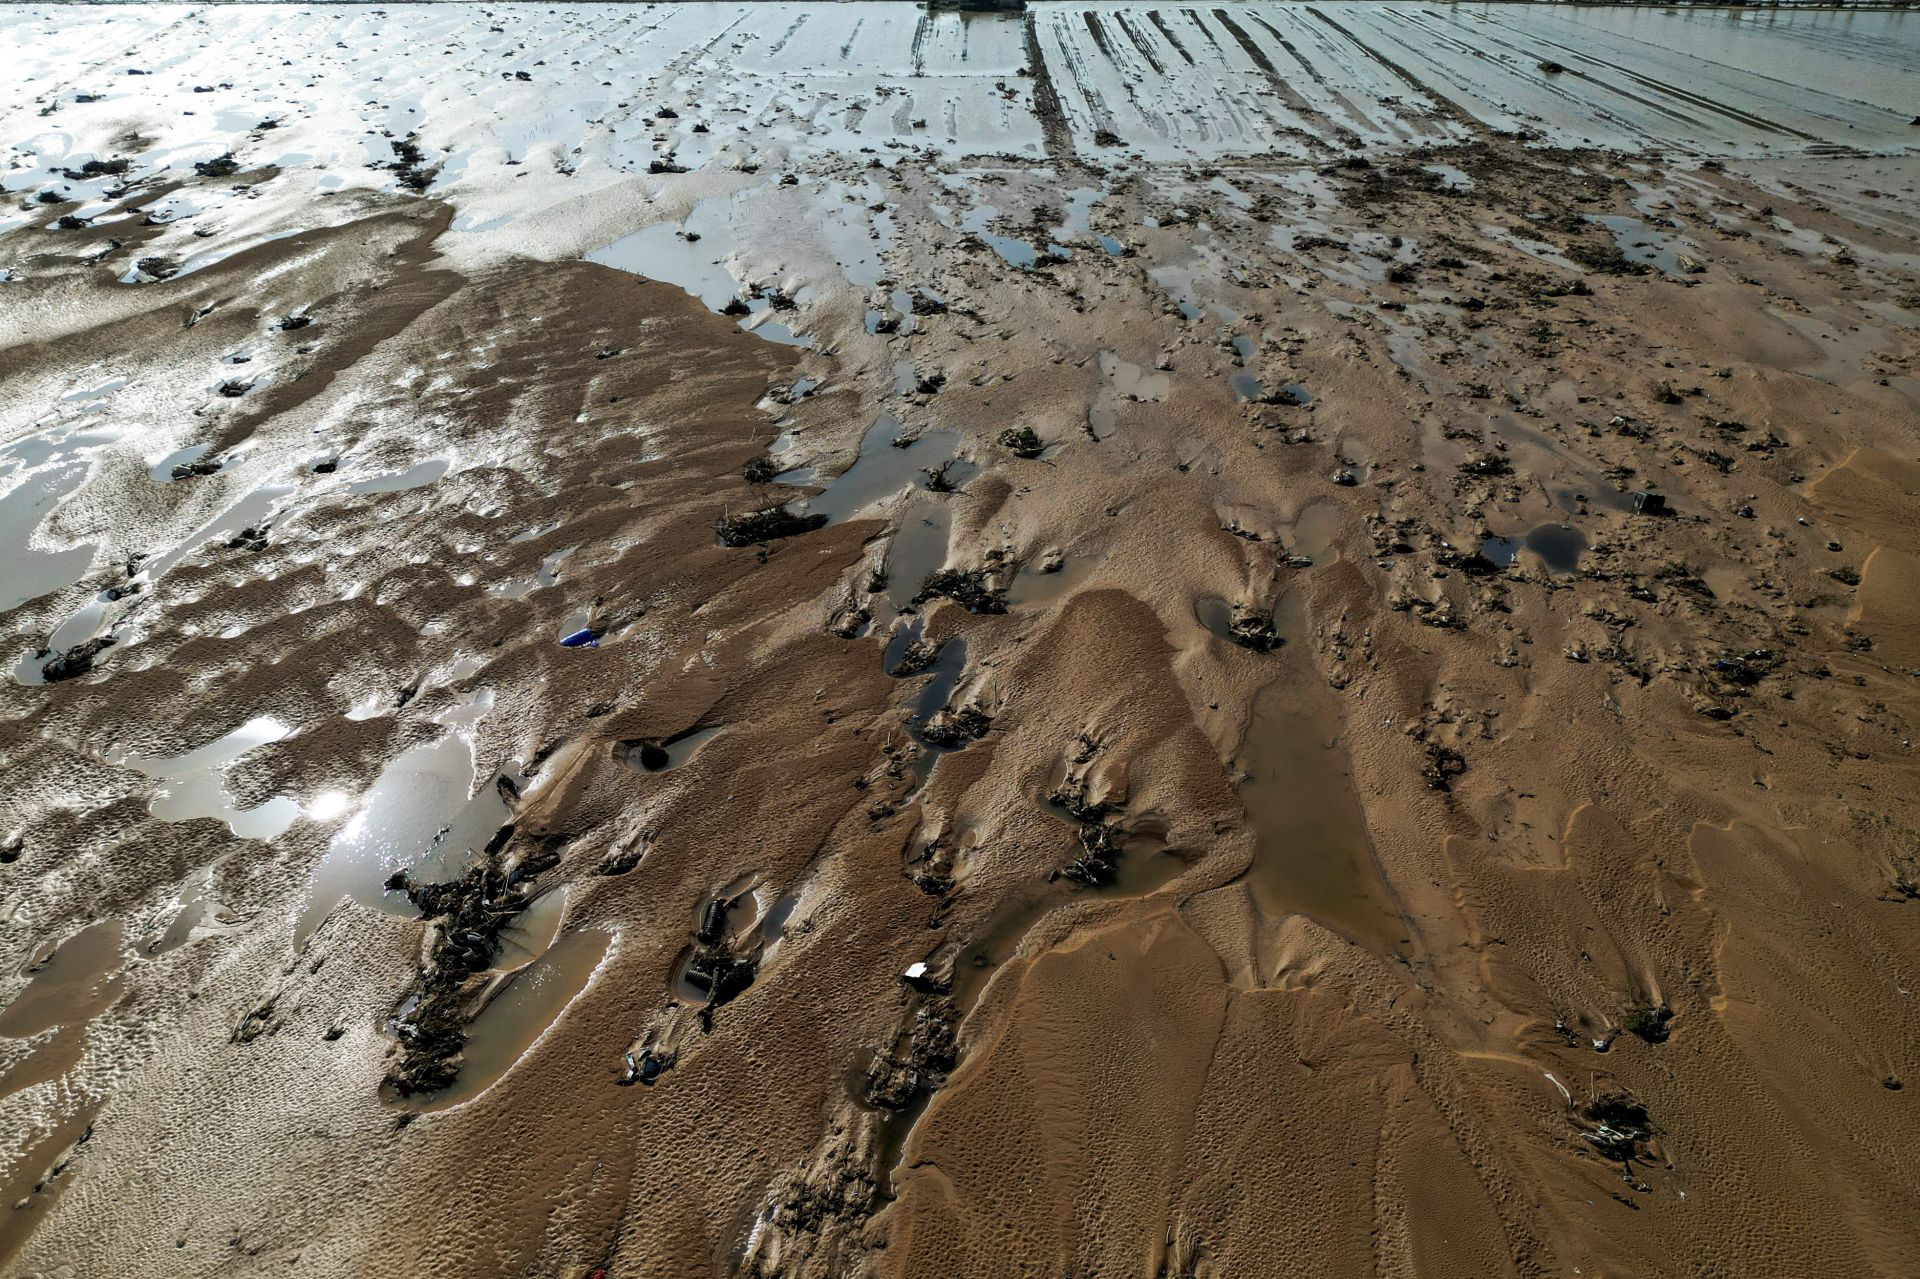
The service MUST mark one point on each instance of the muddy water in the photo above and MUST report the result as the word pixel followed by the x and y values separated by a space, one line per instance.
pixel 941 679
pixel 31 573
pixel 530 1001
pixel 1034 587
pixel 693 256
pixel 1145 867
pixel 1312 854
pixel 419 475
pixel 420 815
pixel 917 549
pixel 1316 533
pixel 1559 546
pixel 30 1185
pixel 68 986
pixel 194 784
pixel 667 756
pixel 888 462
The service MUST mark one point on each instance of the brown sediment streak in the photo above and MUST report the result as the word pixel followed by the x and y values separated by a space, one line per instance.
pixel 1159 21
pixel 1046 101
pixel 1275 80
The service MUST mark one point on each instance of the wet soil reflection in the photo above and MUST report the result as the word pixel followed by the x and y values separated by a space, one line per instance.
pixel 1313 855
pixel 529 1001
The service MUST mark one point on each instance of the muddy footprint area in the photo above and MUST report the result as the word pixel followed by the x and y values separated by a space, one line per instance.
pixel 971 677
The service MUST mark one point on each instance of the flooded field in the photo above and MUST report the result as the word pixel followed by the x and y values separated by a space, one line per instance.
pixel 810 640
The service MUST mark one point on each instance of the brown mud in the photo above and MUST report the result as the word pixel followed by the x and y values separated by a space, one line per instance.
pixel 1467 902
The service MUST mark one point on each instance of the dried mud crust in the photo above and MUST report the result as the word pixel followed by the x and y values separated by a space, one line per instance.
pixel 1643 822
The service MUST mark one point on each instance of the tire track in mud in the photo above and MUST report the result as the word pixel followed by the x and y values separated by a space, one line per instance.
pixel 1443 105
pixel 1313 73
pixel 1141 43
pixel 917 51
pixel 1161 122
pixel 846 47
pixel 1466 49
pixel 1320 47
pixel 1153 16
pixel 787 35
pixel 1046 99
pixel 1287 93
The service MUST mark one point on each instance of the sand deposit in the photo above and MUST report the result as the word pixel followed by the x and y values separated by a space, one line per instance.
pixel 789 640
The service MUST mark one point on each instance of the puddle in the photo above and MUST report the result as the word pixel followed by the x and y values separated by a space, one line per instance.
pixel 199 916
pixel 162 471
pixel 1216 615
pixel 530 1002
pixel 548 574
pixel 918 548
pixel 1144 867
pixel 942 677
pixel 422 816
pixel 30 573
pixel 647 757
pixel 1501 550
pixel 250 511
pixel 536 531
pixel 194 785
pixel 979 959
pixel 1313 855
pixel 33 1183
pixel 533 931
pixel 692 256
pixel 1559 546
pixel 1033 586
pixel 1643 243
pixel 1015 252
pixel 774 926
pixel 882 469
pixel 1568 497
pixel 419 475
pixel 1077 217
pixel 69 986
pixel 1316 531
pixel 1134 382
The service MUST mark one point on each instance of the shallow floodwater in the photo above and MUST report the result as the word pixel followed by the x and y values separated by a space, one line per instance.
pixel 32 573
pixel 513 1020
pixel 194 784
pixel 67 986
pixel 420 816
pixel 1313 855
pixel 888 462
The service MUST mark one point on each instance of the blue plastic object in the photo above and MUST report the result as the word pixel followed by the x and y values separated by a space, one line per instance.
pixel 582 638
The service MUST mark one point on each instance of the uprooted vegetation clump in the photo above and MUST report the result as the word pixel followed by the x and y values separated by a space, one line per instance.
pixel 766 525
pixel 468 915
pixel 1022 441
pixel 950 729
pixel 971 588
pixel 1253 628
pixel 717 965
